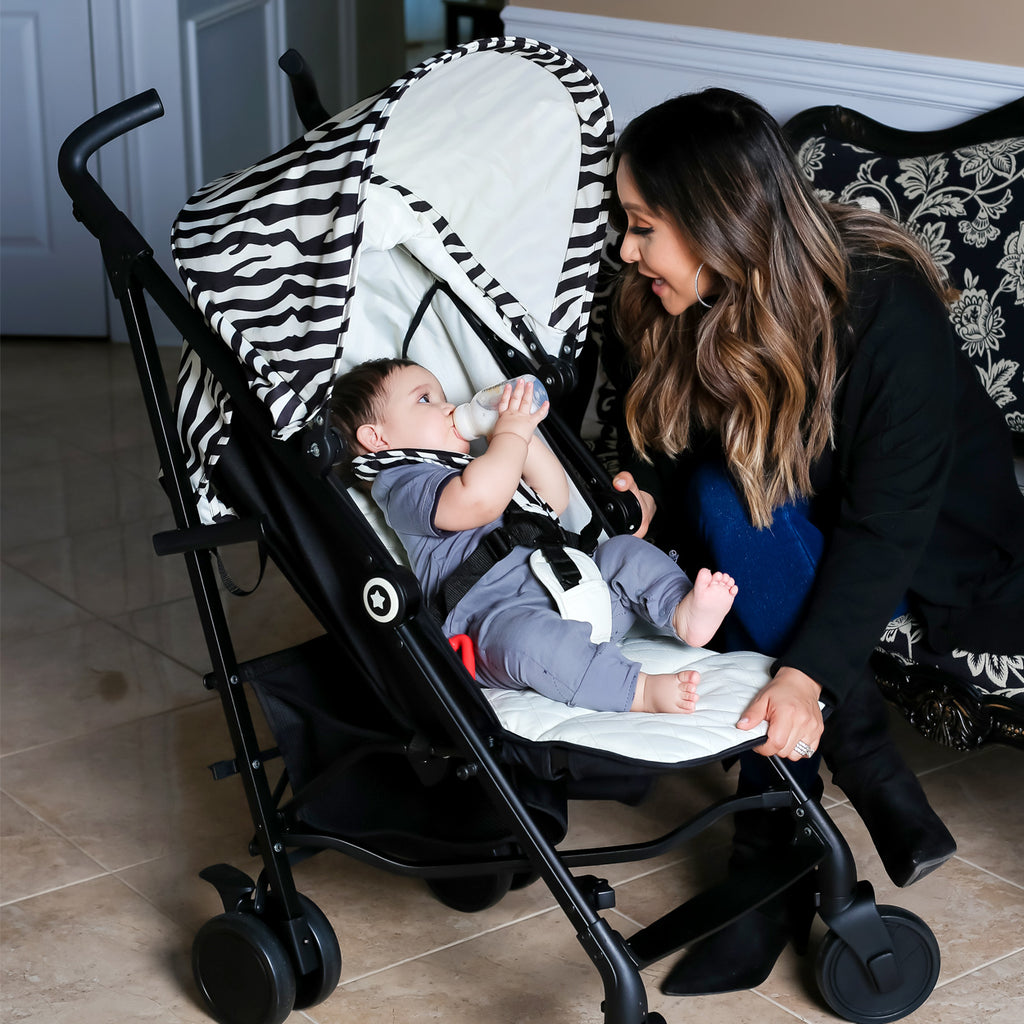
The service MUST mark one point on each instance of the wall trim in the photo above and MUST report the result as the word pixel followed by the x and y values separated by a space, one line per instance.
pixel 641 63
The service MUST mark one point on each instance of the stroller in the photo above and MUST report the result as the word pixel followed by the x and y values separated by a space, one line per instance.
pixel 458 218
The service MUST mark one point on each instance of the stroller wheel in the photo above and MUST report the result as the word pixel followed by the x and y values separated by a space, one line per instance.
pixel 315 987
pixel 472 893
pixel 243 970
pixel 848 988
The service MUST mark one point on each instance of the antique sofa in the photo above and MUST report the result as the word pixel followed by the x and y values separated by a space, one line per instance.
pixel 961 191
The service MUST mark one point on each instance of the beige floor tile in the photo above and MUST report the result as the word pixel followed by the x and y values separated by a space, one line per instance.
pixel 30 609
pixel 980 801
pixel 270 619
pixel 991 995
pixel 532 972
pixel 173 628
pixel 82 678
pixel 23 445
pixel 75 368
pixel 136 791
pixel 974 916
pixel 34 858
pixel 72 496
pixel 94 953
pixel 107 571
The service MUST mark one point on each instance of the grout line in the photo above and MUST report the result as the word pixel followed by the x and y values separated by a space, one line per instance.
pixel 58 888
pixel 988 871
pixel 107 728
pixel 626 917
pixel 57 831
pixel 449 945
pixel 980 967
pixel 781 1006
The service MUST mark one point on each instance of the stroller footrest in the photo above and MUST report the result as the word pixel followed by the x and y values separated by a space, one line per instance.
pixel 722 904
pixel 206 538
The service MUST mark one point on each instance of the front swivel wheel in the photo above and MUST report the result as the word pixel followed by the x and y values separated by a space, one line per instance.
pixel 848 988
pixel 243 970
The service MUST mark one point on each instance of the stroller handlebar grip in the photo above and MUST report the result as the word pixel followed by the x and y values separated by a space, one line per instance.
pixel 92 205
pixel 304 91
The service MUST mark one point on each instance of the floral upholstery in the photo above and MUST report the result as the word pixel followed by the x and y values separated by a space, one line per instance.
pixel 967 207
pixel 962 194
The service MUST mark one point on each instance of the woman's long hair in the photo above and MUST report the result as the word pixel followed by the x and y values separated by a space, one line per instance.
pixel 760 367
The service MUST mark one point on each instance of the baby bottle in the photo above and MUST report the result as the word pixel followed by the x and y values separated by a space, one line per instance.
pixel 476 417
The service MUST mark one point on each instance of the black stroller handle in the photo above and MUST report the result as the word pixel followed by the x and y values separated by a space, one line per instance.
pixel 91 204
pixel 304 92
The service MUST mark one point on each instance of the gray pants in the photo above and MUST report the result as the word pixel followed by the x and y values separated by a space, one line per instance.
pixel 523 643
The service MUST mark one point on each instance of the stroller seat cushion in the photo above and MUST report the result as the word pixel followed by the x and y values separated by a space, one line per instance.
pixel 727 685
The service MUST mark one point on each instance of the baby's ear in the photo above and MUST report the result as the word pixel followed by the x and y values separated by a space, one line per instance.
pixel 370 438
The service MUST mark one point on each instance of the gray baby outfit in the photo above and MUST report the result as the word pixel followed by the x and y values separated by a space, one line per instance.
pixel 521 640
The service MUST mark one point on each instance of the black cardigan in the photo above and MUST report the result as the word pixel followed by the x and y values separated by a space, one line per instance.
pixel 921 491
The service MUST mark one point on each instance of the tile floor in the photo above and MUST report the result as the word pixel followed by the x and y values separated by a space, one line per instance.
pixel 108 810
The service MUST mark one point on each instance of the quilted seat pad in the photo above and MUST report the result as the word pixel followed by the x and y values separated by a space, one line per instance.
pixel 728 682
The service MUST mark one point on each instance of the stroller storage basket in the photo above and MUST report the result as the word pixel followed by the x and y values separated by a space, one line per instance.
pixel 362 239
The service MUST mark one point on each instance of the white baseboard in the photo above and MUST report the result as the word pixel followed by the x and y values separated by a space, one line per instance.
pixel 641 63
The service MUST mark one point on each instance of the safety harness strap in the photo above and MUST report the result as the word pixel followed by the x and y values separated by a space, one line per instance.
pixel 518 529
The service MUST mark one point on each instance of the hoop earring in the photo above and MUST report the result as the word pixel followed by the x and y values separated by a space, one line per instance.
pixel 696 288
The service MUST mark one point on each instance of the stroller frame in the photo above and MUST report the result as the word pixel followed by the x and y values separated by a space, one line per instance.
pixel 866 969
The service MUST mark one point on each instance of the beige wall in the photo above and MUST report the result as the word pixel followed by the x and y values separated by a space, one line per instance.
pixel 985 30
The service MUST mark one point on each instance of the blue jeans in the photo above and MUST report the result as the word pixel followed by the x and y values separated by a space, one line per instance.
pixel 774 569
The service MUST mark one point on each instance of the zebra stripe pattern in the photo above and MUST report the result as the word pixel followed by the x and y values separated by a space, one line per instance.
pixel 270 256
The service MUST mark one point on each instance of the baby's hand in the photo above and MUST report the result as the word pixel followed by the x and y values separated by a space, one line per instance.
pixel 514 415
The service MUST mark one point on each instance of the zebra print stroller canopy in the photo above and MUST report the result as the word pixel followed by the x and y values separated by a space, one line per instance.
pixel 485 168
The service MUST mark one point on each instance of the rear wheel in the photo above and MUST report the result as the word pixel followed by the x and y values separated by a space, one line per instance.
pixel 847 987
pixel 315 987
pixel 243 971
pixel 472 893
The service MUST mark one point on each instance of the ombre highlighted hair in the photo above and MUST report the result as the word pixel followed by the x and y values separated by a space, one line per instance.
pixel 760 367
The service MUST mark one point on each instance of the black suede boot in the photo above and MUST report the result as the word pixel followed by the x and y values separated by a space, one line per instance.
pixel 866 765
pixel 742 954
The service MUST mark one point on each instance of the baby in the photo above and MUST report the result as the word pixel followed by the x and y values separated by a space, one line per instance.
pixel 442 503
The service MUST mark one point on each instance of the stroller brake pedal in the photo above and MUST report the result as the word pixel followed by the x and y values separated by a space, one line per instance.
pixel 233 885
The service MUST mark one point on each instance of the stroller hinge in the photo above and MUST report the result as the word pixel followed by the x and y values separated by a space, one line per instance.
pixel 597 892
pixel 225 769
pixel 122 253
pixel 625 999
pixel 428 765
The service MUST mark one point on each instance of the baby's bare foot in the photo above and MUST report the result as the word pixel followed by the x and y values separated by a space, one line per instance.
pixel 670 693
pixel 699 614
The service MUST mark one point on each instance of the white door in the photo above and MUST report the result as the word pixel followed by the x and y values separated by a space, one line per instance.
pixel 226 105
pixel 51 273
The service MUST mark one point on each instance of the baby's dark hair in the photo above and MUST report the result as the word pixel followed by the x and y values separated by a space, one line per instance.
pixel 357 397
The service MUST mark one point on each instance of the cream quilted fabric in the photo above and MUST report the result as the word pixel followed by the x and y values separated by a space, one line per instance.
pixel 728 683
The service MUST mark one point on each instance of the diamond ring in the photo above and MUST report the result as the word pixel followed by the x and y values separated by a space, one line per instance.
pixel 803 749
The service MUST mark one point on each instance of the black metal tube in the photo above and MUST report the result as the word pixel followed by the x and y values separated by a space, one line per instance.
pixel 304 91
pixel 93 207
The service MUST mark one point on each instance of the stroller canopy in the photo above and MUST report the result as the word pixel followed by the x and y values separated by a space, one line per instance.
pixel 485 168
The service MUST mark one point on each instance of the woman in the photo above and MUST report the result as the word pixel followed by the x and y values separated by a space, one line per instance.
pixel 800 355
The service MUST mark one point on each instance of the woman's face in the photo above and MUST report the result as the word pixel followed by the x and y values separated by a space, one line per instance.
pixel 657 247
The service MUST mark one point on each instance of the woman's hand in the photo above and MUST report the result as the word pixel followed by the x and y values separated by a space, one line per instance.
pixel 789 704
pixel 648 506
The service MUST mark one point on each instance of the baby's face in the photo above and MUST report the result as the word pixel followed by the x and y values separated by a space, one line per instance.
pixel 417 414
